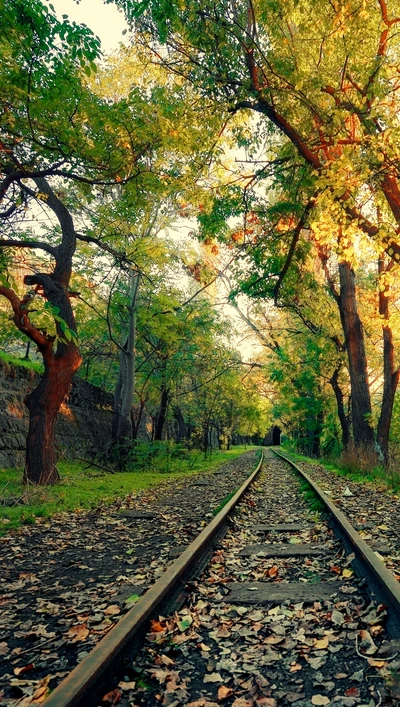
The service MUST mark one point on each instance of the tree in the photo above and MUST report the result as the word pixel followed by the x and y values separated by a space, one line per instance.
pixel 320 74
pixel 53 131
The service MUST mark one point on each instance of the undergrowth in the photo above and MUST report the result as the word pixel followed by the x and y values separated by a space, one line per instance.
pixel 25 363
pixel 358 466
pixel 85 488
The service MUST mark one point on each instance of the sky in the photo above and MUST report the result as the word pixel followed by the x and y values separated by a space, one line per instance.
pixel 104 20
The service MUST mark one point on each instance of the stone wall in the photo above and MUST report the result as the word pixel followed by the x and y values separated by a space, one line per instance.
pixel 84 421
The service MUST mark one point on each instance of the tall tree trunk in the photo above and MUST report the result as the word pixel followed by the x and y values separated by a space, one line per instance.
pixel 390 374
pixel 121 379
pixel 354 337
pixel 162 414
pixel 125 387
pixel 181 425
pixel 43 405
pixel 136 421
pixel 343 419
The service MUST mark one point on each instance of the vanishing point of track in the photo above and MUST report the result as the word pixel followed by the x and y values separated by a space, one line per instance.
pixel 104 665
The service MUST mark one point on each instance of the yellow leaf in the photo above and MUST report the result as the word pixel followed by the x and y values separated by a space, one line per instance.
pixel 347 573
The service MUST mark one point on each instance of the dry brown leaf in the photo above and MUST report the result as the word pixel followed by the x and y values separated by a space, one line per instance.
pixel 322 643
pixel 295 667
pixel 42 692
pixel 112 610
pixel 127 685
pixel 156 627
pixel 4 649
pixel 24 669
pixel 367 645
pixel 377 663
pixel 166 660
pixel 352 692
pixel 224 692
pixel 273 571
pixel 274 640
pixel 112 698
pixel 77 633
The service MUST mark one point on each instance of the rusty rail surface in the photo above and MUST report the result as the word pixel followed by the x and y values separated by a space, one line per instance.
pixel 83 686
pixel 381 585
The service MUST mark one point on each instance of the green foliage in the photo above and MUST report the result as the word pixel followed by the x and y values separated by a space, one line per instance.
pixel 25 363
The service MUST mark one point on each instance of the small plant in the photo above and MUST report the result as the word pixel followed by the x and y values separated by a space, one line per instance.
pixel 314 503
pixel 224 502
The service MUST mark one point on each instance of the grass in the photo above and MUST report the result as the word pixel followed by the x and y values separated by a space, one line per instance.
pixel 224 502
pixel 84 489
pixel 378 476
pixel 314 503
pixel 25 363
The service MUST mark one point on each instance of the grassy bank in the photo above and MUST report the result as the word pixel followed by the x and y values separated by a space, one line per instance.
pixel 25 363
pixel 82 488
pixel 386 479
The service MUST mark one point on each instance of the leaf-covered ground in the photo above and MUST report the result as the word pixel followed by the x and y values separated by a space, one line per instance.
pixel 67 580
pixel 373 511
pixel 216 651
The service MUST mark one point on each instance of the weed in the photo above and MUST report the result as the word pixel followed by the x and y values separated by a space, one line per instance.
pixel 314 503
pixel 224 502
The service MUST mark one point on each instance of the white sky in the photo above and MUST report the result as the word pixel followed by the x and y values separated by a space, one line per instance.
pixel 104 20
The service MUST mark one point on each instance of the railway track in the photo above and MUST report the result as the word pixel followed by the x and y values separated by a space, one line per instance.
pixel 278 617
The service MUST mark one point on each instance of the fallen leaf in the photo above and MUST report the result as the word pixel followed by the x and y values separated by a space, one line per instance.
pixel 337 618
pixel 203 647
pixel 43 690
pixel 156 627
pixel 24 669
pixel 113 697
pixel 78 633
pixel 112 610
pixel 377 663
pixel 336 569
pixel 224 692
pixel 4 649
pixel 273 571
pixel 347 573
pixel 294 668
pixel 212 677
pixel 166 660
pixel 317 663
pixel 185 623
pixel 352 692
pixel 367 644
pixel 293 697
pixel 322 643
pixel 127 685
pixel 320 700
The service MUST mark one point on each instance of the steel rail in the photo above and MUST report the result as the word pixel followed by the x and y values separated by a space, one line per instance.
pixel 84 683
pixel 381 585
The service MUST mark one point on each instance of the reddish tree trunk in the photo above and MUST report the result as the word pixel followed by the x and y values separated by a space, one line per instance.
pixel 43 405
pixel 354 336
